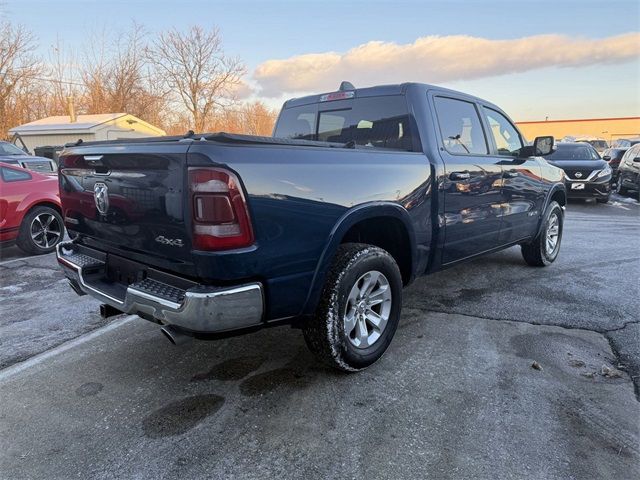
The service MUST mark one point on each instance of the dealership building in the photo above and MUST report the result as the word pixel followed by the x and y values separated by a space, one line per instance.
pixel 608 129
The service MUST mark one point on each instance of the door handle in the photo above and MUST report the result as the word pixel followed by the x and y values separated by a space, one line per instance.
pixel 510 174
pixel 460 175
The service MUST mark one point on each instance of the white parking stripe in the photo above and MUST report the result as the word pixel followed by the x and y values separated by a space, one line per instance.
pixel 41 357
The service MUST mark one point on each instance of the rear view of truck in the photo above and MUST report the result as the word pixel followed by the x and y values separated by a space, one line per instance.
pixel 138 212
pixel 317 227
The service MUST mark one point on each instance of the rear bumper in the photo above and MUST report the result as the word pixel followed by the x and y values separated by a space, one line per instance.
pixel 198 308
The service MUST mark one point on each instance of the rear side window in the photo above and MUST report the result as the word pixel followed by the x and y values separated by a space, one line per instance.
pixel 378 122
pixel 460 126
pixel 11 175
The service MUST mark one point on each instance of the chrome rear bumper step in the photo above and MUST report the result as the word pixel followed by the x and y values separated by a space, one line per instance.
pixel 202 308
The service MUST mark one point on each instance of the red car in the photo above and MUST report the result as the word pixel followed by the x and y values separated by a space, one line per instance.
pixel 30 213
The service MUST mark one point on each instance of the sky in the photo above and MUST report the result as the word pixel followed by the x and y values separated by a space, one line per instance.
pixel 536 59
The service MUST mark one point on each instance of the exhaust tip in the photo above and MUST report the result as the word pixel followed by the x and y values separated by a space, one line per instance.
pixel 175 336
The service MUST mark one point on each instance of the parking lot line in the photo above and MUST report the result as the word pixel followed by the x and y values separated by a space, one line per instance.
pixel 37 359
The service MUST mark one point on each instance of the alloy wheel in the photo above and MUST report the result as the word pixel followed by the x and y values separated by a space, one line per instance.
pixel 46 230
pixel 368 309
pixel 552 233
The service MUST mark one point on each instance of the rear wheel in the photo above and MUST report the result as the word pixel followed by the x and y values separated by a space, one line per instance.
pixel 359 310
pixel 545 248
pixel 41 230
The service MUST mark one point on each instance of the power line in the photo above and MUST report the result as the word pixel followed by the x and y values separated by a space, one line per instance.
pixel 44 79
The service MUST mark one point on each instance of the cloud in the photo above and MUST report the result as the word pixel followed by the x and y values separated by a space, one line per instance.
pixel 437 59
pixel 242 90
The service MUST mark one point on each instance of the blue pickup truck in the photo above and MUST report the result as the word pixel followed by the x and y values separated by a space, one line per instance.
pixel 357 193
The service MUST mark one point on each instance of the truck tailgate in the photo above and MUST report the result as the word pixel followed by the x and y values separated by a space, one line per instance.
pixel 129 197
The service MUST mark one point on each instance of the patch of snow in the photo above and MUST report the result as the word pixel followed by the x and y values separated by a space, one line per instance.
pixel 13 288
pixel 628 200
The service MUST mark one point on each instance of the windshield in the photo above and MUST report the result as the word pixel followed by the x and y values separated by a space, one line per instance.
pixel 574 152
pixel 10 149
pixel 43 166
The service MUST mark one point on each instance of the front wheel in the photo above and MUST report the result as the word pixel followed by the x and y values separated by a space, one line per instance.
pixel 620 190
pixel 543 250
pixel 603 200
pixel 359 310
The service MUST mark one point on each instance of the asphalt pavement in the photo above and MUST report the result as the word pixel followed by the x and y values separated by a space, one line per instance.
pixel 455 396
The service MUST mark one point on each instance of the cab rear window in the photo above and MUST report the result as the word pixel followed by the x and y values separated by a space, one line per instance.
pixel 376 122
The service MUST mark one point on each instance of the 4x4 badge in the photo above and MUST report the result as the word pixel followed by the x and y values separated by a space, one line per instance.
pixel 101 197
pixel 172 242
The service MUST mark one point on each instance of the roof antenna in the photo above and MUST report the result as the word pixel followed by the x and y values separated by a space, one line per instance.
pixel 346 86
pixel 189 134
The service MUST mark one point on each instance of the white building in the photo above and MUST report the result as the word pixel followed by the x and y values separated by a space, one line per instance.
pixel 58 130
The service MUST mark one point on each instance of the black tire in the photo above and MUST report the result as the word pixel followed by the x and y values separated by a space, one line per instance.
pixel 536 252
pixel 603 200
pixel 620 190
pixel 46 242
pixel 325 333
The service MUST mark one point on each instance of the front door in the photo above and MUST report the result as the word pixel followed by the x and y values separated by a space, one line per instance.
pixel 522 185
pixel 473 180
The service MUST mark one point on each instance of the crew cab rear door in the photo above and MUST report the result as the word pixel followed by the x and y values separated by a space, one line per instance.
pixel 472 184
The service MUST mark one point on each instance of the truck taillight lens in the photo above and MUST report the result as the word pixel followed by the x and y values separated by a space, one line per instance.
pixel 219 210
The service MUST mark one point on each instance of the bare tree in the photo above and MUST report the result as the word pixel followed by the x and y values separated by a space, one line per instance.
pixel 18 67
pixel 182 80
pixel 94 74
pixel 257 119
pixel 115 76
pixel 64 83
pixel 194 69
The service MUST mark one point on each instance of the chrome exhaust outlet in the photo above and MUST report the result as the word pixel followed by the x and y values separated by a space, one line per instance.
pixel 174 335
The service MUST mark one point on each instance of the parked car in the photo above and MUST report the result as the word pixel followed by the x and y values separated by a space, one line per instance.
pixel 320 227
pixel 587 175
pixel 30 211
pixel 629 172
pixel 12 155
pixel 625 142
pixel 598 143
pixel 613 156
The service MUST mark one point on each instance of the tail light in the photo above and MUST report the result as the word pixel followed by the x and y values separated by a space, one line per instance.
pixel 219 210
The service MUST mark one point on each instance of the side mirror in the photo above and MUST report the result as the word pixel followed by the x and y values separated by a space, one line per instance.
pixel 543 146
pixel 606 157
